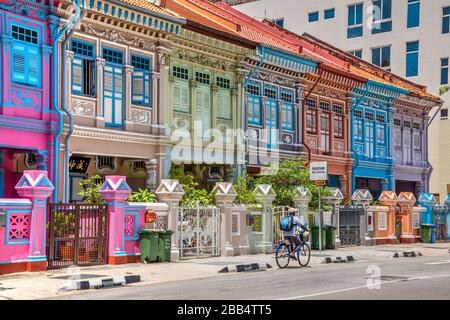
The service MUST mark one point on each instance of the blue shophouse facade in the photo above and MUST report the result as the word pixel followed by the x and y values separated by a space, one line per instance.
pixel 371 137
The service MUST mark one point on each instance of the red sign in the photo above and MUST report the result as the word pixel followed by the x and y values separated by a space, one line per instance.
pixel 150 216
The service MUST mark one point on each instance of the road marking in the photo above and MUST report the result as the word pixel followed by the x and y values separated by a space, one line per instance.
pixel 436 263
pixel 364 287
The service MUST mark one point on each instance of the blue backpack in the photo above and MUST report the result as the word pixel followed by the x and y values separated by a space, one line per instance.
pixel 287 223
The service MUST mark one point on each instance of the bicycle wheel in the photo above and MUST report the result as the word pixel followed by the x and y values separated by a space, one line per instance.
pixel 282 256
pixel 304 254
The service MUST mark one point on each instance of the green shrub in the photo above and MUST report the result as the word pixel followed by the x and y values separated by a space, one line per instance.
pixel 90 190
pixel 142 195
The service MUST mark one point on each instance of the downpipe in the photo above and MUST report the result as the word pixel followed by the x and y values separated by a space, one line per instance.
pixel 69 25
pixel 64 102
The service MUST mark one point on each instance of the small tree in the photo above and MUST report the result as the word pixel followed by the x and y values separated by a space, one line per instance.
pixel 192 193
pixel 285 177
pixel 244 191
pixel 90 190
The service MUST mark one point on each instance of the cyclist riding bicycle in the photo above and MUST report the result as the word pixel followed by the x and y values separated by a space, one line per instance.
pixel 291 235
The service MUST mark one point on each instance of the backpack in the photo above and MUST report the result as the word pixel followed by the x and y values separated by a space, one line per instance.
pixel 287 223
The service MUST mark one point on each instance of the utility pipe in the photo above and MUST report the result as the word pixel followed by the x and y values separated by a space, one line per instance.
pixel 68 26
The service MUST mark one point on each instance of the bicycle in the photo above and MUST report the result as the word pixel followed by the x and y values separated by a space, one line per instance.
pixel 283 252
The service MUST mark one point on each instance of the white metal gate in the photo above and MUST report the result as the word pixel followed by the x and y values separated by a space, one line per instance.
pixel 198 232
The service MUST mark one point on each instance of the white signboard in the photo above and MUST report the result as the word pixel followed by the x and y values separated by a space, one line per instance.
pixel 318 171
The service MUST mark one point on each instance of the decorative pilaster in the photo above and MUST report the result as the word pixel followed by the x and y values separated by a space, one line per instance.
pixel 128 95
pixel 151 174
pixel 171 192
pixel 6 82
pixel 115 192
pixel 35 186
pixel 302 198
pixel 225 195
pixel 156 108
pixel 265 195
pixel 100 120
pixel 46 81
pixel 214 90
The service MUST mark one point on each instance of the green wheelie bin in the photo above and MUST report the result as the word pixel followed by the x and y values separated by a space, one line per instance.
pixel 149 245
pixel 315 237
pixel 331 237
pixel 165 242
pixel 425 231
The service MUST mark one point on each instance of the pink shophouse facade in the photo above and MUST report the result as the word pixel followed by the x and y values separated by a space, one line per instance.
pixel 29 122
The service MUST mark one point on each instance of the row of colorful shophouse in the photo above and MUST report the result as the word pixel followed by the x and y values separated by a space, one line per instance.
pixel 129 88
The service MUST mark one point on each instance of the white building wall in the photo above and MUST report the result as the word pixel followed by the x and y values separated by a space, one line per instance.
pixel 433 46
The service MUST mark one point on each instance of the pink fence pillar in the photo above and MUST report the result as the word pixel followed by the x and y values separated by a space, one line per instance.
pixel 35 186
pixel 115 192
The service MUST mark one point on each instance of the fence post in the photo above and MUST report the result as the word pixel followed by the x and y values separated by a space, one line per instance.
pixel 225 195
pixel 335 200
pixel 115 192
pixel 302 198
pixel 265 195
pixel 406 200
pixel 390 199
pixel 363 198
pixel 171 192
pixel 35 186
pixel 427 200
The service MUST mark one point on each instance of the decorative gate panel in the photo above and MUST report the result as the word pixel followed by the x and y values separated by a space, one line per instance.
pixel 440 220
pixel 198 232
pixel 77 235
pixel 349 225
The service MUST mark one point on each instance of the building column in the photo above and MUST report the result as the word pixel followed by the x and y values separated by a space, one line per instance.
pixel 46 81
pixel 151 165
pixel 115 192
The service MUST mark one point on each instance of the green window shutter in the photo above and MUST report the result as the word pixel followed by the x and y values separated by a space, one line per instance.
pixel 176 97
pixel 224 104
pixel 184 98
pixel 77 75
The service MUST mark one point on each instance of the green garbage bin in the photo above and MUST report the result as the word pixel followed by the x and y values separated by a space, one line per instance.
pixel 331 237
pixel 425 231
pixel 315 237
pixel 149 245
pixel 165 242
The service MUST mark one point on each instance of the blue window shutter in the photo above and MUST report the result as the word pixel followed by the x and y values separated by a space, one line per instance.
pixel 329 14
pixel 33 66
pixel 77 75
pixel 19 69
pixel 313 16
pixel 413 13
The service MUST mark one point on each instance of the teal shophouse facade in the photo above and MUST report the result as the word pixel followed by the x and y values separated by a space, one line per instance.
pixel 371 137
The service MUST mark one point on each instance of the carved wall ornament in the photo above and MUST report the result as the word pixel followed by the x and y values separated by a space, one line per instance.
pixel 116 36
pixel 272 78
pixel 140 116
pixel 203 60
pixel 83 107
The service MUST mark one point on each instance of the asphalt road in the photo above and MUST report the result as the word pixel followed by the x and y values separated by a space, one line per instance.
pixel 389 279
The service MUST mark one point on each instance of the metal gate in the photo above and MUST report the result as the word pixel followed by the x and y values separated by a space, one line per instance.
pixel 278 213
pixel 198 232
pixel 440 220
pixel 349 225
pixel 77 235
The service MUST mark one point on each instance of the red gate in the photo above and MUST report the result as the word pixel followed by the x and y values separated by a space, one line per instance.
pixel 77 235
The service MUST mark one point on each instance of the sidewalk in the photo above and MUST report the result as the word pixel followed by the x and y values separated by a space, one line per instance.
pixel 46 284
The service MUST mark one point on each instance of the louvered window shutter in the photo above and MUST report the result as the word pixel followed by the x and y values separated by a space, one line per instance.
pixel 176 97
pixel 33 66
pixel 138 87
pixel 19 72
pixel 77 75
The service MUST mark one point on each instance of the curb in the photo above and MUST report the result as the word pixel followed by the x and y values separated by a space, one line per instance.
pixel 101 283
pixel 246 267
pixel 346 259
pixel 407 254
